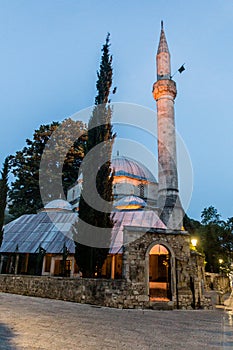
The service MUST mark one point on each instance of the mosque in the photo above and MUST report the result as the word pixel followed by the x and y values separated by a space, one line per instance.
pixel 150 249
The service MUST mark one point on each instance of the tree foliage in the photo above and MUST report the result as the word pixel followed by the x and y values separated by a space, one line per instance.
pixel 215 239
pixel 25 197
pixel 3 194
pixel 90 258
pixel 210 215
pixel 191 225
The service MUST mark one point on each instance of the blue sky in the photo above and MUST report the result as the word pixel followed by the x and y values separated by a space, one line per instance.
pixel 50 52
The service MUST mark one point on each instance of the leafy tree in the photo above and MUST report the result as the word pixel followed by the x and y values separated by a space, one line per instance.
pixel 215 238
pixel 226 242
pixel 227 238
pixel 210 215
pixel 191 225
pixel 3 194
pixel 8 218
pixel 61 159
pixel 210 233
pixel 90 259
pixel 25 197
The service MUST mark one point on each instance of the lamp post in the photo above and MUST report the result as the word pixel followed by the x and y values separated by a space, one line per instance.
pixel 220 263
pixel 193 243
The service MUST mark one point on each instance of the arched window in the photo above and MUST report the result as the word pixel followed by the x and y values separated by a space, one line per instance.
pixel 141 191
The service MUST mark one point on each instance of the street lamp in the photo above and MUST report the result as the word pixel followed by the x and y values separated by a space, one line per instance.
pixel 220 263
pixel 194 243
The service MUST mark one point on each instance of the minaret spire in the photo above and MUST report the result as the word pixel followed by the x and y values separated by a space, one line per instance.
pixel 164 91
pixel 163 57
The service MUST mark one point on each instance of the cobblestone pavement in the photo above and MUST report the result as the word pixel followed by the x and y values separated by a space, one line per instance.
pixel 36 323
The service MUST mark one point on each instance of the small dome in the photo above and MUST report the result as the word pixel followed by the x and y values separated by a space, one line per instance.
pixel 58 204
pixel 130 203
pixel 124 166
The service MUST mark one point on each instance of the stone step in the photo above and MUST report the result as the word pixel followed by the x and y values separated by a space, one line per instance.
pixel 162 305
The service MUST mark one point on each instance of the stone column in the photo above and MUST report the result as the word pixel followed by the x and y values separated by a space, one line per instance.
pixel 1 262
pixel 16 264
pixel 72 266
pixel 43 266
pixel 52 267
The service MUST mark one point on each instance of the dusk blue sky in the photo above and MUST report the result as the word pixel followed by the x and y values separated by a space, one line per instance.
pixel 50 51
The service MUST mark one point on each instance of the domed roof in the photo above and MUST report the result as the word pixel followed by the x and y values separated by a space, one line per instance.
pixel 125 166
pixel 58 204
pixel 130 203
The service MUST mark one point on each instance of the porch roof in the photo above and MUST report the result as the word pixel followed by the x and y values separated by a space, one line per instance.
pixel 143 219
pixel 51 230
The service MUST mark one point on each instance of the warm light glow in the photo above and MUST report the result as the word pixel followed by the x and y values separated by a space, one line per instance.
pixel 129 180
pixel 220 261
pixel 194 242
pixel 130 206
pixel 159 249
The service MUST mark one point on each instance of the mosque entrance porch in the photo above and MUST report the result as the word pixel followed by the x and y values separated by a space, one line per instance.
pixel 159 273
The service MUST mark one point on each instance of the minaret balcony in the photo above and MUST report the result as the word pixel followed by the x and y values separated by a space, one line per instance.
pixel 165 88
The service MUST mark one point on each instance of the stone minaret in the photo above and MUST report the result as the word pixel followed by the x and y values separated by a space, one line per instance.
pixel 164 92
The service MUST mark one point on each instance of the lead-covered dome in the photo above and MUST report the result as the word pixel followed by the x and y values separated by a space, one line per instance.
pixel 58 204
pixel 130 203
pixel 131 178
pixel 131 168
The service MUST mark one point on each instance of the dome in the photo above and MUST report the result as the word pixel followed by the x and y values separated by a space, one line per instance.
pixel 124 166
pixel 130 203
pixel 58 204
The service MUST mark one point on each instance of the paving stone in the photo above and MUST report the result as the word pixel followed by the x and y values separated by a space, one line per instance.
pixel 44 324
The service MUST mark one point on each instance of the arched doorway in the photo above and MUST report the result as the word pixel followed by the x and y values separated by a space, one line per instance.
pixel 159 273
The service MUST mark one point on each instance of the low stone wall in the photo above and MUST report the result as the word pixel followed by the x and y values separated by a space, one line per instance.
pixel 217 282
pixel 112 293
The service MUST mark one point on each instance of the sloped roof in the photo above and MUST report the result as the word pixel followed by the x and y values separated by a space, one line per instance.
pixel 145 219
pixel 51 230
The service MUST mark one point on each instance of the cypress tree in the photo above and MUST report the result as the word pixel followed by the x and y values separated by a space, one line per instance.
pixel 89 257
pixel 3 194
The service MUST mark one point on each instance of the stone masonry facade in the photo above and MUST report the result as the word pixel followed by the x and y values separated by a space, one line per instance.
pixel 132 291
pixel 186 268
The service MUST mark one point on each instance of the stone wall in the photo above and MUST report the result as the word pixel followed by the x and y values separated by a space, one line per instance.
pixel 136 260
pixel 217 282
pixel 112 293
pixel 186 281
pixel 187 268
